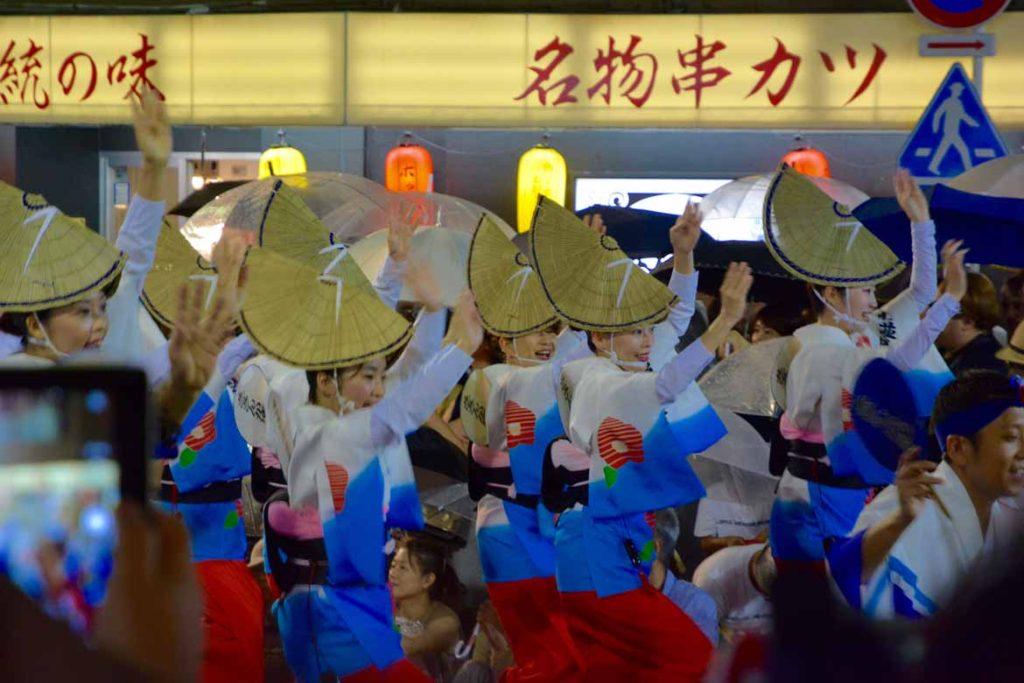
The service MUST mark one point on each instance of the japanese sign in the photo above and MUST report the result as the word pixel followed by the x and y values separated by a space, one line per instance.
pixel 821 71
pixel 508 70
pixel 208 69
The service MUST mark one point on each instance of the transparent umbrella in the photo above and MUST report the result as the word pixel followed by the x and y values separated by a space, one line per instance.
pixel 338 199
pixel 734 211
pixel 445 227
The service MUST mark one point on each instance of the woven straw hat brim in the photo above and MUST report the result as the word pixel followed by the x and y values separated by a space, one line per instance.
pixel 818 240
pixel 289 227
pixel 293 313
pixel 1014 351
pixel 47 259
pixel 507 290
pixel 592 283
pixel 176 263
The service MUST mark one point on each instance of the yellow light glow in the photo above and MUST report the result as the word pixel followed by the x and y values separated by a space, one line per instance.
pixel 542 171
pixel 281 160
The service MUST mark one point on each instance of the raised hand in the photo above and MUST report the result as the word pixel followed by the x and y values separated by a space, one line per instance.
pixel 197 339
pixel 685 233
pixel 400 234
pixel 910 197
pixel 954 275
pixel 595 223
pixel 466 329
pixel 733 292
pixel 152 129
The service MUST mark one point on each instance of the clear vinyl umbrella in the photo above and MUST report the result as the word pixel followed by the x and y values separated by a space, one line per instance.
pixel 337 199
pixel 445 226
pixel 734 211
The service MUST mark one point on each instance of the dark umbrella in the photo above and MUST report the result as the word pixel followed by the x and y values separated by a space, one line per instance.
pixel 991 227
pixel 201 198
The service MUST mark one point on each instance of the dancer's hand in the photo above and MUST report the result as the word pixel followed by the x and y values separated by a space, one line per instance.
pixel 595 223
pixel 954 275
pixel 466 329
pixel 910 198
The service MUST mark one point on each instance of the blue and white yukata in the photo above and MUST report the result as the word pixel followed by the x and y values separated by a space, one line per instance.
pixel 354 471
pixel 830 472
pixel 637 431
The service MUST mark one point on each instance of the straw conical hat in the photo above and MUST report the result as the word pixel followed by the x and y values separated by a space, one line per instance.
pixel 588 279
pixel 47 259
pixel 290 228
pixel 507 290
pixel 1014 351
pixel 318 314
pixel 815 237
pixel 176 262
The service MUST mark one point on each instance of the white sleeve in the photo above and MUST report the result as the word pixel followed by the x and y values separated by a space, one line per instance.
pixel 388 282
pixel 428 333
pixel 667 333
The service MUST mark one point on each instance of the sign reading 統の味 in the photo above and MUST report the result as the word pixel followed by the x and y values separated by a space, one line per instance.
pixel 509 70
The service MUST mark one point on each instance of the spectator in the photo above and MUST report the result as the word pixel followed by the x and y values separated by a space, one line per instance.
pixel 967 341
pixel 774 321
pixel 1011 296
pixel 664 576
pixel 426 591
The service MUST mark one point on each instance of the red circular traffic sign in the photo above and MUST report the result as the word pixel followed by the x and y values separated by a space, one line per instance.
pixel 958 13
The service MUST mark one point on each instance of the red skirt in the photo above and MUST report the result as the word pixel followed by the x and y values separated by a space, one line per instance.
pixel 533 620
pixel 233 614
pixel 639 635
pixel 402 671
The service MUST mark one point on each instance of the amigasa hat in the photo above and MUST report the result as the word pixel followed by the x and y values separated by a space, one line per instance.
pixel 46 258
pixel 589 280
pixel 319 314
pixel 508 292
pixel 810 230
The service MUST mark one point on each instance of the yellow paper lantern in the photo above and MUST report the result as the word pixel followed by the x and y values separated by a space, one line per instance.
pixel 542 171
pixel 281 159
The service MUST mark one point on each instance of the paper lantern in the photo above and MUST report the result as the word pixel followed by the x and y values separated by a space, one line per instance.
pixel 281 159
pixel 808 161
pixel 409 168
pixel 542 171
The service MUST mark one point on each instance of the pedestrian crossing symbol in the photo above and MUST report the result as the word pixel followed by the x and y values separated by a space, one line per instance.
pixel 954 133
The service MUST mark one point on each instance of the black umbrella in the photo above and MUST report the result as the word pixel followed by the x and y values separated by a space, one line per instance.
pixel 201 198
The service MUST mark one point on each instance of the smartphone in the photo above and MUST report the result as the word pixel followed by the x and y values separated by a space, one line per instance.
pixel 73 442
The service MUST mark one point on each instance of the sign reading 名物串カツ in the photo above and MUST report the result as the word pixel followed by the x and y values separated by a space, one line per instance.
pixel 507 70
pixel 954 134
pixel 958 14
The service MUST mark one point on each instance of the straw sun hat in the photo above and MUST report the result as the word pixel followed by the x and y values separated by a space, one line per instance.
pixel 592 283
pixel 810 230
pixel 176 262
pixel 318 314
pixel 286 226
pixel 47 259
pixel 508 292
pixel 1014 351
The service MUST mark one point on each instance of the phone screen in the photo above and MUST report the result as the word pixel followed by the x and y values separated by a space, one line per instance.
pixel 61 452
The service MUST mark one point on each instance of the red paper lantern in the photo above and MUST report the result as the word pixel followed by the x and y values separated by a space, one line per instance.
pixel 409 168
pixel 808 161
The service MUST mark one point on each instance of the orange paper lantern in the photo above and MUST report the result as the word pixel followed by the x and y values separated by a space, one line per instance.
pixel 409 168
pixel 809 161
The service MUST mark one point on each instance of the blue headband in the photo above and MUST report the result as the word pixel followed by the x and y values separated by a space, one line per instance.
pixel 971 421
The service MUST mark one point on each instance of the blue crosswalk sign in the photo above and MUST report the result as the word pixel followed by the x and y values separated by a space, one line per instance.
pixel 954 133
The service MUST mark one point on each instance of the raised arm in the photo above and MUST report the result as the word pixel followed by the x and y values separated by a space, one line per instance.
pixel 408 405
pixel 430 323
pixel 911 350
pixel 388 282
pixel 687 365
pixel 923 275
